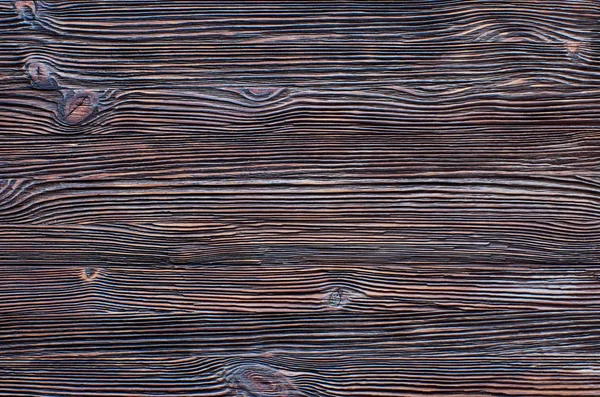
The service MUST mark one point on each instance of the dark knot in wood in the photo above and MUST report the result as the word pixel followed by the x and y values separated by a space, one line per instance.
pixel 89 274
pixel 41 76
pixel 258 380
pixel 337 298
pixel 26 9
pixel 78 106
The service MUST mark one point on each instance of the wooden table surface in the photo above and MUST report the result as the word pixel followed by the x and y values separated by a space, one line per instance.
pixel 299 198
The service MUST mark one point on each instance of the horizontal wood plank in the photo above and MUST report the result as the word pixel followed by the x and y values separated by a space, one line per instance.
pixel 294 289
pixel 264 22
pixel 325 133
pixel 312 64
pixel 448 334
pixel 119 44
pixel 295 374
pixel 502 219
pixel 400 111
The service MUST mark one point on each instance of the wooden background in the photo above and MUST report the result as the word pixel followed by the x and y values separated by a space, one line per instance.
pixel 281 199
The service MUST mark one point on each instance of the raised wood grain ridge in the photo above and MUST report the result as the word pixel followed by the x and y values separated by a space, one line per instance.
pixel 300 198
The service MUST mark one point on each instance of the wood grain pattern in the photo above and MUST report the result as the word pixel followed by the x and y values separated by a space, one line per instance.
pixel 308 64
pixel 260 21
pixel 292 289
pixel 409 220
pixel 303 198
pixel 210 375
pixel 325 133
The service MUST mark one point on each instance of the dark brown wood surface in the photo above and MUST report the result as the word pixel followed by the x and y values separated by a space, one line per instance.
pixel 285 199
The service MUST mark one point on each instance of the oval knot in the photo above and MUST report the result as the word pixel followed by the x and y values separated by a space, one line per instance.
pixel 41 76
pixel 258 380
pixel 78 106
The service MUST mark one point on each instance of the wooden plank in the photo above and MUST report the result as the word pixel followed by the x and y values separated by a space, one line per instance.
pixel 280 111
pixel 449 333
pixel 182 44
pixel 296 289
pixel 263 21
pixel 421 220
pixel 324 133
pixel 552 152
pixel 300 64
pixel 297 374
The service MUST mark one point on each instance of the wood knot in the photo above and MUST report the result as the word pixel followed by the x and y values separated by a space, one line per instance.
pixel 260 94
pixel 258 380
pixel 41 76
pixel 26 9
pixel 336 298
pixel 89 274
pixel 78 106
pixel 574 48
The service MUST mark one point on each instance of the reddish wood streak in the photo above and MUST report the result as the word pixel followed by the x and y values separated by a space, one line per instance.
pixel 78 106
pixel 258 380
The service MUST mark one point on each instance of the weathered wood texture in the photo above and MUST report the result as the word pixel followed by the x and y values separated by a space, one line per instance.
pixel 285 199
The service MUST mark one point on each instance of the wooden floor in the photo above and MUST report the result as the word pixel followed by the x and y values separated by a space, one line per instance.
pixel 285 199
